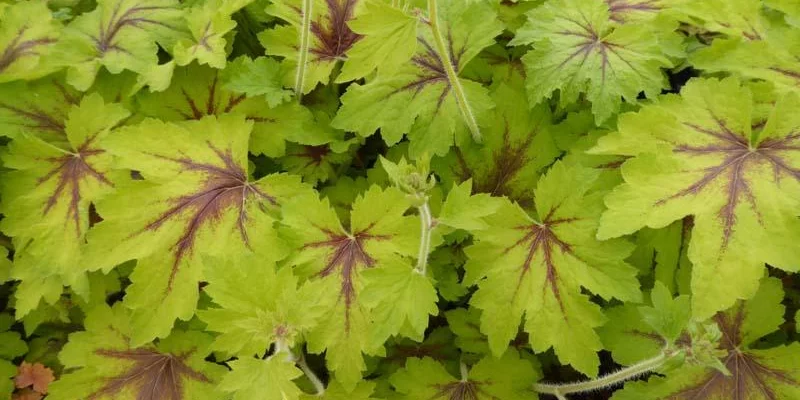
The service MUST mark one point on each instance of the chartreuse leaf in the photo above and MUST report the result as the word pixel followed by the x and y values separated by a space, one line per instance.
pixel 518 145
pixel 462 210
pixel 26 41
pixel 710 154
pixel 121 35
pixel 262 76
pixel 508 377
pixel 39 109
pixel 196 91
pixel 735 18
pixel 579 49
pixel 538 266
pixel 103 364
pixel 5 265
pixel 257 306
pixel 47 197
pixel 625 11
pixel 195 199
pixel 754 373
pixel 256 379
pixel 208 23
pixel 372 249
pixel 419 98
pixel 329 37
pixel 388 39
pixel 335 391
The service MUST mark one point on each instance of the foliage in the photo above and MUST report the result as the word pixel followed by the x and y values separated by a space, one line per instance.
pixel 399 199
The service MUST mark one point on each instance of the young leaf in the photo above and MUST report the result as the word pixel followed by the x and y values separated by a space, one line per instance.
pixel 330 37
pixel 270 379
pixel 389 38
pixel 710 154
pixel 508 377
pixel 377 239
pixel 257 77
pixel 208 23
pixel 25 41
pixel 461 210
pixel 537 268
pixel 518 145
pixel 120 35
pixel 49 194
pixel 257 306
pixel 578 48
pixel 195 199
pixel 419 98
pixel 757 374
pixel 197 92
pixel 104 365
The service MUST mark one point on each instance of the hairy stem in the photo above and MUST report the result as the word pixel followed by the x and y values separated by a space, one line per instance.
pixel 560 391
pixel 305 40
pixel 426 227
pixel 452 76
pixel 318 385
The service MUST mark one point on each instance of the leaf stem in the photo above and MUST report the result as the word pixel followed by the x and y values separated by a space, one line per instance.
pixel 426 227
pixel 452 76
pixel 302 58
pixel 318 385
pixel 560 391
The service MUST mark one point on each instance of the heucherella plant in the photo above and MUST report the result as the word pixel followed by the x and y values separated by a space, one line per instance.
pixel 399 199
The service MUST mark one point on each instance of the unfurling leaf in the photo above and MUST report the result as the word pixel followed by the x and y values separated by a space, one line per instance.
pixel 35 375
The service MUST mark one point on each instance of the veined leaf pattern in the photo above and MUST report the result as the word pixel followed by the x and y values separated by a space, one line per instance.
pixel 732 164
pixel 199 200
pixel 25 41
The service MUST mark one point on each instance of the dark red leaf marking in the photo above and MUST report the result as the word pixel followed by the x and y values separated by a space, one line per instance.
pixel 19 48
pixel 314 154
pixel 135 17
pixel 738 158
pixel 333 35
pixel 540 238
pixel 505 164
pixel 43 120
pixel 153 375
pixel 226 187
pixel 347 257
pixel 619 7
pixel 69 172
pixel 462 390
pixel 748 372
pixel 213 104
pixel 788 73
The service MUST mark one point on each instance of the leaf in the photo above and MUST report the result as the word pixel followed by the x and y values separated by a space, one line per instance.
pixel 461 210
pixel 208 23
pixel 518 145
pixel 270 379
pixel 25 41
pixel 27 394
pixel 330 36
pixel 756 373
pixel 624 11
pixel 197 92
pixel 314 163
pixel 249 318
pixel 388 40
pixel 731 163
pixel 418 99
pixel 121 35
pixel 35 375
pixel 774 59
pixel 103 365
pixel 37 109
pixel 49 194
pixel 578 48
pixel 508 377
pixel 257 77
pixel 195 199
pixel 378 237
pixel 537 267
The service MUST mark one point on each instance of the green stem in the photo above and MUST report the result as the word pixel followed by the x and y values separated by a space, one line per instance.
pixel 452 76
pixel 305 40
pixel 318 385
pixel 561 390
pixel 426 227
